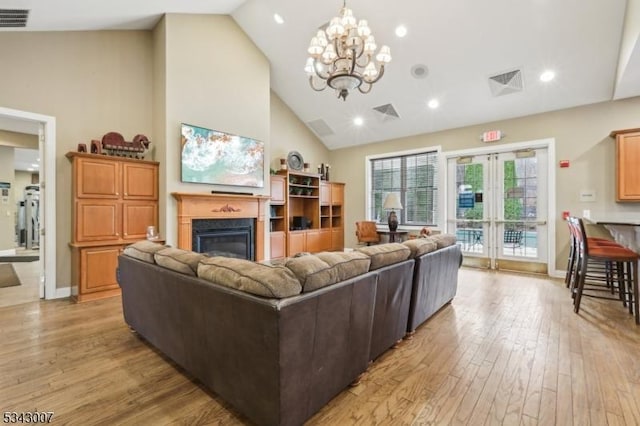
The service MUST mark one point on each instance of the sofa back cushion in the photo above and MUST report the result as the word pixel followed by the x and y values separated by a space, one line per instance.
pixel 382 255
pixel 420 246
pixel 179 260
pixel 144 250
pixel 319 270
pixel 251 277
pixel 443 240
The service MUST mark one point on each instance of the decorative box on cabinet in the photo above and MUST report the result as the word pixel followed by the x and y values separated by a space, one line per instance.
pixel 627 160
pixel 114 201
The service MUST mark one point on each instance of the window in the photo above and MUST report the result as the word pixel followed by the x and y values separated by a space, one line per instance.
pixel 415 178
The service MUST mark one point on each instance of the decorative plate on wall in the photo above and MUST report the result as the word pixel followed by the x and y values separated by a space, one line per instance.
pixel 295 161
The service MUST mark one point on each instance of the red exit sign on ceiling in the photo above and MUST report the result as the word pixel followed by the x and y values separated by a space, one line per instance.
pixel 492 136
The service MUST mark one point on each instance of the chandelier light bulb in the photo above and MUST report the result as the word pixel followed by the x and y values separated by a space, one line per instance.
pixel 309 67
pixel 329 53
pixel 348 21
pixel 370 71
pixel 315 48
pixel 370 45
pixel 363 29
pixel 385 55
pixel 322 38
pixel 335 28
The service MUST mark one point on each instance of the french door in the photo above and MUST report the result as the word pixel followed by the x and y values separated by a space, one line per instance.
pixel 497 208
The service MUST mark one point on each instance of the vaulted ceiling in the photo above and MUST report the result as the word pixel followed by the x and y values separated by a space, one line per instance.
pixel 450 52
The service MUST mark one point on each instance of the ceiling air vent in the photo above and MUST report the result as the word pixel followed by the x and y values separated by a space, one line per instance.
pixel 320 127
pixel 386 112
pixel 13 18
pixel 505 83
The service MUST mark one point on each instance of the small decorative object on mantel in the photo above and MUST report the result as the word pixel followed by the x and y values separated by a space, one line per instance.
pixel 113 143
pixel 306 167
pixel 283 164
pixel 82 147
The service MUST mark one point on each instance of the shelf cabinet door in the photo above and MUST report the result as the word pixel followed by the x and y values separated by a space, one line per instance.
pixel 324 240
pixel 97 220
pixel 278 245
pixel 140 181
pixel 337 194
pixel 297 242
pixel 98 269
pixel 337 239
pixel 97 178
pixel 136 217
pixel 628 173
pixel 278 189
pixel 325 193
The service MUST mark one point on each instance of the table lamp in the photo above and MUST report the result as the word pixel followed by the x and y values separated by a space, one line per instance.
pixel 392 202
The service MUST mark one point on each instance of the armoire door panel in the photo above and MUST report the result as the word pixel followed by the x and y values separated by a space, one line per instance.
pixel 137 216
pixel 140 181
pixel 97 178
pixel 97 220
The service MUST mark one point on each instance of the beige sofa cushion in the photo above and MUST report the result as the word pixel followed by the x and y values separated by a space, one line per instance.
pixel 251 277
pixel 144 250
pixel 179 260
pixel 385 254
pixel 420 246
pixel 443 240
pixel 327 268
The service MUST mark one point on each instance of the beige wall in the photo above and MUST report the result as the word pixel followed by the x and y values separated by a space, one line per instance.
pixel 288 133
pixel 7 205
pixel 92 83
pixel 581 135
pixel 215 77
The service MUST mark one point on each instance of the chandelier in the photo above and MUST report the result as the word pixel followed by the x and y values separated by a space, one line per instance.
pixel 341 56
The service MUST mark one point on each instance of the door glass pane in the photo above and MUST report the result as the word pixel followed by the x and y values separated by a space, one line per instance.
pixel 520 207
pixel 470 207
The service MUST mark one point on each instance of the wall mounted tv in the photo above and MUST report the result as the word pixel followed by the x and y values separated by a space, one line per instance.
pixel 213 157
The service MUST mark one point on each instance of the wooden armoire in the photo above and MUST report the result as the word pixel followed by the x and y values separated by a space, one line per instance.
pixel 114 199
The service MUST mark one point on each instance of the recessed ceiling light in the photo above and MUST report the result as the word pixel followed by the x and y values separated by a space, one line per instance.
pixel 433 103
pixel 35 165
pixel 358 121
pixel 30 169
pixel 547 76
pixel 38 159
pixel 278 18
pixel 401 31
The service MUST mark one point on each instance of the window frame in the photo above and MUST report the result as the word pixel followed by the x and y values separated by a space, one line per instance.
pixel 438 183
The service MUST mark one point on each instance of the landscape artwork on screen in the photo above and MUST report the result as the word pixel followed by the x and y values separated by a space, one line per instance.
pixel 213 157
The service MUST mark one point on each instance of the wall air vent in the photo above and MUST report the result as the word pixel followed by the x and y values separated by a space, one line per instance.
pixel 320 127
pixel 505 83
pixel 386 112
pixel 13 18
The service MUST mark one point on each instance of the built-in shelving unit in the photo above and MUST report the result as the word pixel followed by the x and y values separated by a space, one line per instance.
pixel 306 214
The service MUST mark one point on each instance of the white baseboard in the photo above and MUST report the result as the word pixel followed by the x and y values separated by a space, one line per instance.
pixel 63 292
pixel 9 252
pixel 558 274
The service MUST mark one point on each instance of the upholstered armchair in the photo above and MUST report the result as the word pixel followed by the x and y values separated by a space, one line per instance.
pixel 367 232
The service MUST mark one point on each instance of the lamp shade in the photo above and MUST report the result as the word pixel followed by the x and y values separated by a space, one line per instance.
pixel 392 202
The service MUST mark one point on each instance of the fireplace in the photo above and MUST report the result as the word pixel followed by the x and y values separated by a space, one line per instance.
pixel 225 207
pixel 224 237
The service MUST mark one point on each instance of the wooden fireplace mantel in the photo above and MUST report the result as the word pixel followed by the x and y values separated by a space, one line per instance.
pixel 220 206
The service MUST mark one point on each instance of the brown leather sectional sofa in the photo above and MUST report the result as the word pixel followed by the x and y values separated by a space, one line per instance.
pixel 278 359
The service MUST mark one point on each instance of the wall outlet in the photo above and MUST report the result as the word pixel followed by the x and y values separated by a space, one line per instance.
pixel 586 214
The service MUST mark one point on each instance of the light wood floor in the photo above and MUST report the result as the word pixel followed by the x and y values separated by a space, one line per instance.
pixel 508 350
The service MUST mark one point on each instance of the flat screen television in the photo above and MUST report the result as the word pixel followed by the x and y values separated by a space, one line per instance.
pixel 219 158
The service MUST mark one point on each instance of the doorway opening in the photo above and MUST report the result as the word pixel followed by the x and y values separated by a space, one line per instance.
pixel 43 225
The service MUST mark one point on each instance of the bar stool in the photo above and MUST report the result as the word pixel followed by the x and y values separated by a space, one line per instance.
pixel 596 268
pixel 625 272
